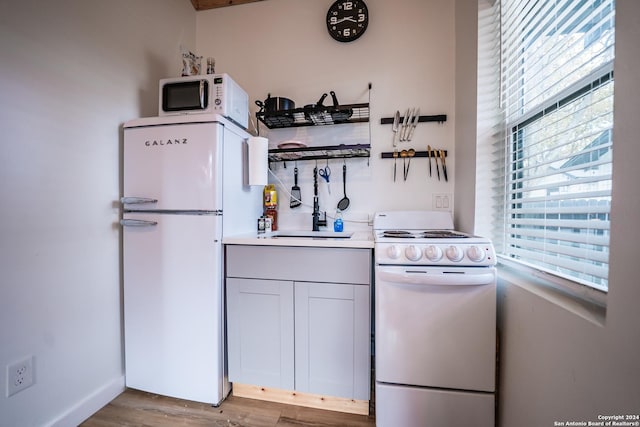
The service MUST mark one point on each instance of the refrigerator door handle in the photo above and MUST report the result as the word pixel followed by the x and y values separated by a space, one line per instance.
pixel 137 200
pixel 137 223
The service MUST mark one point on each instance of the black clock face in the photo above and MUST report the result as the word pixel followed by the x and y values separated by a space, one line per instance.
pixel 347 20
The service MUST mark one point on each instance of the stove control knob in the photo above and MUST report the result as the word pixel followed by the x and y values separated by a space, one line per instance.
pixel 412 253
pixel 475 254
pixel 394 252
pixel 433 253
pixel 454 253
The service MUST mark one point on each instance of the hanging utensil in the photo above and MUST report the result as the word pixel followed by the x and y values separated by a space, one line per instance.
pixel 343 204
pixel 410 153
pixel 396 120
pixel 394 128
pixel 395 158
pixel 407 131
pixel 296 197
pixel 429 154
pixel 403 154
pixel 325 173
pixel 437 167
pixel 404 125
pixel 414 123
pixel 315 181
pixel 444 165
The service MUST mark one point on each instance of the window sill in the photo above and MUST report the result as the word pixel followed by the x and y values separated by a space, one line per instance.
pixel 590 304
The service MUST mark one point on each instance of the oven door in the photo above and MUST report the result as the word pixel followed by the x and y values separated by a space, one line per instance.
pixel 436 327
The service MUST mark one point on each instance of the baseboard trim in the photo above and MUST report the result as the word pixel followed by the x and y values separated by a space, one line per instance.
pixel 317 401
pixel 91 404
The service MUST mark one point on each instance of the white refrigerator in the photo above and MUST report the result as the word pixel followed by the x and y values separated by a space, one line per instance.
pixel 185 187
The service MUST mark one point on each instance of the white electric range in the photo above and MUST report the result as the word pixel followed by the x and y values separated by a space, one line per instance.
pixel 435 322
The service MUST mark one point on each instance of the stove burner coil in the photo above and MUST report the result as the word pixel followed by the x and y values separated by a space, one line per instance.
pixel 442 234
pixel 398 233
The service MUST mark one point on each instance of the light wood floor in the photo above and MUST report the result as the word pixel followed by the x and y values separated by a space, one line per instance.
pixel 136 408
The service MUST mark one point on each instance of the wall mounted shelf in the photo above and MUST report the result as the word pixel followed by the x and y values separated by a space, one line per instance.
pixel 341 151
pixel 315 116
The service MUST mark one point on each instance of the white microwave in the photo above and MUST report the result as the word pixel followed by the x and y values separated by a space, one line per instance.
pixel 207 93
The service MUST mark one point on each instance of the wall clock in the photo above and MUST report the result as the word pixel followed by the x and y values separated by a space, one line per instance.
pixel 347 20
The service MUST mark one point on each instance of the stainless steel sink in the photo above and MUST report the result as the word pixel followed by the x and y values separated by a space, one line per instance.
pixel 312 234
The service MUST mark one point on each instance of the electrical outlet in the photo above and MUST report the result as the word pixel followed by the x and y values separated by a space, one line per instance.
pixel 442 202
pixel 20 376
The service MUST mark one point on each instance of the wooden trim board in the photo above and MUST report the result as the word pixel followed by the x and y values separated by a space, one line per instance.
pixel 309 400
pixel 213 4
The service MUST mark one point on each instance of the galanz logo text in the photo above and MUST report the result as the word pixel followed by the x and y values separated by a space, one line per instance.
pixel 158 142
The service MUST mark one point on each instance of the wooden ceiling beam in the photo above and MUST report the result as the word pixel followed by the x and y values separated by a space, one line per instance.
pixel 214 4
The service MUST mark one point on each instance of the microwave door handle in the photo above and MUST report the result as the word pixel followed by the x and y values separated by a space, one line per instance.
pixel 202 84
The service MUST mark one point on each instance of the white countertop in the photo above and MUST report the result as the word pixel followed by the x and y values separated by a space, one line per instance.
pixel 359 239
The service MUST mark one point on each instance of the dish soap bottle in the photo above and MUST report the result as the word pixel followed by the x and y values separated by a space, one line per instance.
pixel 338 225
pixel 271 205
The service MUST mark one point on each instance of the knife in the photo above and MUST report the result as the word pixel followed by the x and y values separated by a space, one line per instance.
pixel 437 167
pixel 444 165
pixel 416 118
pixel 429 155
pixel 404 124
pixel 396 120
pixel 409 122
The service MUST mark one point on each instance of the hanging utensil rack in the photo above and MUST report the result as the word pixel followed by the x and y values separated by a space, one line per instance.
pixel 342 151
pixel 440 118
pixel 432 154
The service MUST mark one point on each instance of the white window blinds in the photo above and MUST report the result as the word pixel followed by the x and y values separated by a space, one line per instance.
pixel 557 101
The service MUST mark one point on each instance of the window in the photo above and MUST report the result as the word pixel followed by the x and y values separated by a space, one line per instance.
pixel 556 100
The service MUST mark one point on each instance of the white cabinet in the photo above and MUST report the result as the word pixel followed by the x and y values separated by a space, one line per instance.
pixel 332 339
pixel 299 319
pixel 260 332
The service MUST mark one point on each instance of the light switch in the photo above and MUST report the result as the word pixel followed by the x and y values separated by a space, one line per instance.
pixel 442 202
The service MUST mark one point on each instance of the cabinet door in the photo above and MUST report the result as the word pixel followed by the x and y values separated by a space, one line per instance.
pixel 332 339
pixel 260 332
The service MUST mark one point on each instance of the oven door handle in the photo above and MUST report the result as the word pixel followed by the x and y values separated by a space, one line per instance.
pixel 436 277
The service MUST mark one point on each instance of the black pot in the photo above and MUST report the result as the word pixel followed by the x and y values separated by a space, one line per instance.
pixel 277 103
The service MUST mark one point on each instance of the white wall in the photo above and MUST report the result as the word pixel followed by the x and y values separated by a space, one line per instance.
pixel 71 72
pixel 407 53
pixel 466 91
pixel 560 360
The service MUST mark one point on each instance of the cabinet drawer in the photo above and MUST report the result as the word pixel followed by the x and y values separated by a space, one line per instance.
pixel 334 265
